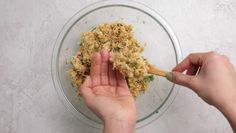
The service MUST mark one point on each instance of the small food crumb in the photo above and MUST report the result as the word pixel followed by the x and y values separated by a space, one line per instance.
pixel 67 61
pixel 68 49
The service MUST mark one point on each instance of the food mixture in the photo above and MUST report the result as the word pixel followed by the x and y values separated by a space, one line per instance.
pixel 119 39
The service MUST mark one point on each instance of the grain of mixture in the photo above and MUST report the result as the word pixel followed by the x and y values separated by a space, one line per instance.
pixel 119 39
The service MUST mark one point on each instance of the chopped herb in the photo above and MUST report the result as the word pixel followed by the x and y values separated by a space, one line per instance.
pixel 68 49
pixel 117 49
pixel 118 34
pixel 133 64
pixel 149 78
pixel 144 58
pixel 93 28
pixel 67 61
pixel 79 43
pixel 72 85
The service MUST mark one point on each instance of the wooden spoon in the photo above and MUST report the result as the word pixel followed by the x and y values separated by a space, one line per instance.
pixel 156 71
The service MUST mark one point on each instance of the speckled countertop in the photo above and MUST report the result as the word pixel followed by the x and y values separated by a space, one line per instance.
pixel 29 28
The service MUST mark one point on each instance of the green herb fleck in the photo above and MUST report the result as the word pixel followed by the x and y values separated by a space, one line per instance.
pixel 93 28
pixel 117 49
pixel 72 84
pixel 149 78
pixel 143 58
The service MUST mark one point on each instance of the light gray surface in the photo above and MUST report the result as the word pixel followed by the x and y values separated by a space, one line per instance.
pixel 28 30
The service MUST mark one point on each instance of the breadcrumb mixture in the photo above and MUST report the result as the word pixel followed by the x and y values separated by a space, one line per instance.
pixel 119 39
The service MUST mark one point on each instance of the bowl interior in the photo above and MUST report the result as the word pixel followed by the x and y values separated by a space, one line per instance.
pixel 147 29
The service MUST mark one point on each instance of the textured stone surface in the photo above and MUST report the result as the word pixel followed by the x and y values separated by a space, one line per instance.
pixel 28 30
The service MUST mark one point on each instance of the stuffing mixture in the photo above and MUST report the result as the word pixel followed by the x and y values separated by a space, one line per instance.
pixel 119 39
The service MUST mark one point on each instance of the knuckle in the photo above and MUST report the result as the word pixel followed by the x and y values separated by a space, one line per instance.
pixel 214 56
pixel 212 53
pixel 190 55
pixel 225 58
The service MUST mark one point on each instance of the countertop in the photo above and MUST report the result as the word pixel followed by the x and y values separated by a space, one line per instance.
pixel 28 29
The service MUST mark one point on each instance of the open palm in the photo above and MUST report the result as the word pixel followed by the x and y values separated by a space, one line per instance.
pixel 106 92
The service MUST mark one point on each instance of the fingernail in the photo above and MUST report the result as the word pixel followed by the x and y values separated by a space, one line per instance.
pixel 169 76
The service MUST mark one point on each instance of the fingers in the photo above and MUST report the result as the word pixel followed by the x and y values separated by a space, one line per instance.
pixel 101 70
pixel 111 73
pixel 195 59
pixel 192 70
pixel 122 87
pixel 86 90
pixel 185 80
pixel 121 82
pixel 104 68
pixel 96 69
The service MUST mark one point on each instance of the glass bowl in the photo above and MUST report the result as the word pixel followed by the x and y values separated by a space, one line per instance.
pixel 162 49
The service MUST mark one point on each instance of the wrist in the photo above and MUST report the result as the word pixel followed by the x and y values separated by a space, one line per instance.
pixel 122 117
pixel 119 126
pixel 229 111
pixel 120 122
pixel 227 105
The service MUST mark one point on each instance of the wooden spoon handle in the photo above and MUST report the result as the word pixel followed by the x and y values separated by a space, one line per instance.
pixel 157 71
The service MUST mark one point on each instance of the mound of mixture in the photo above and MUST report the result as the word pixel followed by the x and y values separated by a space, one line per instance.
pixel 119 39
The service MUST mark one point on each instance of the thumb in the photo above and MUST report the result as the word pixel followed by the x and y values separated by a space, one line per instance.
pixel 184 80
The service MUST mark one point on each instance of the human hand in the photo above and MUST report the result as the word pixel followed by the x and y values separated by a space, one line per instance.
pixel 216 80
pixel 213 78
pixel 106 93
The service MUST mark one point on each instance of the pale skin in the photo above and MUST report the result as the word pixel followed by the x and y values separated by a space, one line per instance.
pixel 107 94
pixel 210 75
pixel 215 83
